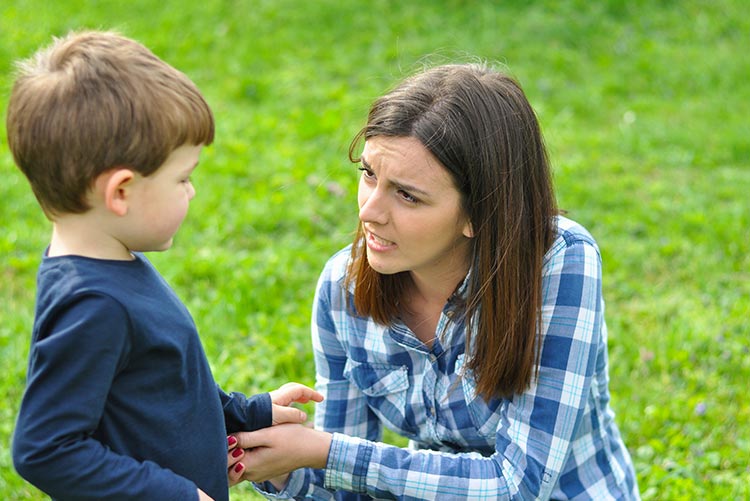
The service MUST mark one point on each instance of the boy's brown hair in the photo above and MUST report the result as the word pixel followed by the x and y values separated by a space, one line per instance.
pixel 93 101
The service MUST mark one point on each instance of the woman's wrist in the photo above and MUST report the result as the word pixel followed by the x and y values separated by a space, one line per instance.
pixel 318 446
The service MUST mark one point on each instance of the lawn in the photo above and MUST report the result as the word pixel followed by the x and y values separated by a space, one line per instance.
pixel 644 106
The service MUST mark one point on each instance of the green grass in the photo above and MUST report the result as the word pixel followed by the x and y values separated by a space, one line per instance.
pixel 645 111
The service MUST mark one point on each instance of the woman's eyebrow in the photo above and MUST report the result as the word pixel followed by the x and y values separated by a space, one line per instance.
pixel 398 184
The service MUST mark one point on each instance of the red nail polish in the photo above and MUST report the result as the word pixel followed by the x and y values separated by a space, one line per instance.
pixel 236 453
pixel 231 441
pixel 239 467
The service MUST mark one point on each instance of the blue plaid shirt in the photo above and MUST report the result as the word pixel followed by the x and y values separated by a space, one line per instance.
pixel 557 440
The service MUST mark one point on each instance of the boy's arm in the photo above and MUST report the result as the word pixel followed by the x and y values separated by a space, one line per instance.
pixel 242 413
pixel 71 370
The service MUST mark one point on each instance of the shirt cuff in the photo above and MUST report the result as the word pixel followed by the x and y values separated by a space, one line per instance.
pixel 293 487
pixel 348 460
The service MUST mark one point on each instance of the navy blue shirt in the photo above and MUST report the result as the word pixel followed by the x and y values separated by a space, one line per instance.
pixel 120 400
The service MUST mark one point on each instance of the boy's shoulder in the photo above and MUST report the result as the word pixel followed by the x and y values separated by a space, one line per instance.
pixel 133 289
pixel 83 267
pixel 73 276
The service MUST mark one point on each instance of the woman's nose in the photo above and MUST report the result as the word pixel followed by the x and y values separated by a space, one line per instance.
pixel 372 206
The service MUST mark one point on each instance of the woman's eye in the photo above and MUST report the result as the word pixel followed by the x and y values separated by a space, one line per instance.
pixel 407 197
pixel 368 173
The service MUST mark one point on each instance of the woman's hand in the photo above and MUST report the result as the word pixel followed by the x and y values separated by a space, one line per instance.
pixel 235 468
pixel 273 452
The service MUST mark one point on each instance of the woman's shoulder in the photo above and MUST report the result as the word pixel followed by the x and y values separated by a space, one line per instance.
pixel 336 266
pixel 572 239
pixel 570 233
pixel 330 287
pixel 339 260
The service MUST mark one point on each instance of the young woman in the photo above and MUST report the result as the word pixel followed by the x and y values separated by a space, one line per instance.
pixel 467 315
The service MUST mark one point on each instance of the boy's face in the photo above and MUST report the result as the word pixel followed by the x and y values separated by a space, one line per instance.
pixel 160 201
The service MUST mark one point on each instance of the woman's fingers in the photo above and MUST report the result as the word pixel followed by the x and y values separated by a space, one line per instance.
pixel 235 474
pixel 235 469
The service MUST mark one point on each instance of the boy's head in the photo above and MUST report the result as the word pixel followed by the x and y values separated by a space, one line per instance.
pixel 94 101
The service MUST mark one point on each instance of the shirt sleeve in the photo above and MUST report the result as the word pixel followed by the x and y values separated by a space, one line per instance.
pixel 535 430
pixel 243 413
pixel 72 366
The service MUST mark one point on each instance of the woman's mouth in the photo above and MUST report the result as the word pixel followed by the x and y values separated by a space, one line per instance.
pixel 377 243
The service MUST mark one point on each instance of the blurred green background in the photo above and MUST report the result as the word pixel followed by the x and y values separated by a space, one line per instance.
pixel 644 106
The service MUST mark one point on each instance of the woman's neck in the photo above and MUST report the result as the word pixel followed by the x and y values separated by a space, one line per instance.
pixel 425 301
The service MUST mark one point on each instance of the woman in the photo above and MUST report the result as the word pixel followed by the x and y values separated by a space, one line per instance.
pixel 467 316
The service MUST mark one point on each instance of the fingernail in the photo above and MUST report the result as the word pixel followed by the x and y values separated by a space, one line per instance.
pixel 236 453
pixel 239 467
pixel 231 441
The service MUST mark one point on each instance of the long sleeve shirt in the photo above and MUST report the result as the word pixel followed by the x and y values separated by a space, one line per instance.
pixel 556 440
pixel 120 402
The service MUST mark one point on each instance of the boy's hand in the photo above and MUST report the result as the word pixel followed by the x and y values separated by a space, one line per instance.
pixel 294 392
pixel 288 394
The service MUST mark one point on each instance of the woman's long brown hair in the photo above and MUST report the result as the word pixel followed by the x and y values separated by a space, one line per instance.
pixel 480 126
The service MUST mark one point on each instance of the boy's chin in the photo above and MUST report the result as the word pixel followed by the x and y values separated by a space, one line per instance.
pixel 156 247
pixel 165 246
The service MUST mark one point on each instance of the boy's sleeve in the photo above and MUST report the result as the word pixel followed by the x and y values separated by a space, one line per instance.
pixel 243 413
pixel 72 366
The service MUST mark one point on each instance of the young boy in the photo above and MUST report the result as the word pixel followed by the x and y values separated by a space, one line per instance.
pixel 120 400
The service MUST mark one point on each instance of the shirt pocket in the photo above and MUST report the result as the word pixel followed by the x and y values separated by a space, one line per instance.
pixel 484 415
pixel 386 389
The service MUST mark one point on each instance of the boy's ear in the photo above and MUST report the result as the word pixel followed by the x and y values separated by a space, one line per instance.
pixel 114 186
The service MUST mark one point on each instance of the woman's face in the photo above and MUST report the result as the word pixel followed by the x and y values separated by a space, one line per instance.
pixel 411 211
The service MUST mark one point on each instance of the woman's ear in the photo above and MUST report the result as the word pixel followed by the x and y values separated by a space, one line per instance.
pixel 115 187
pixel 468 230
